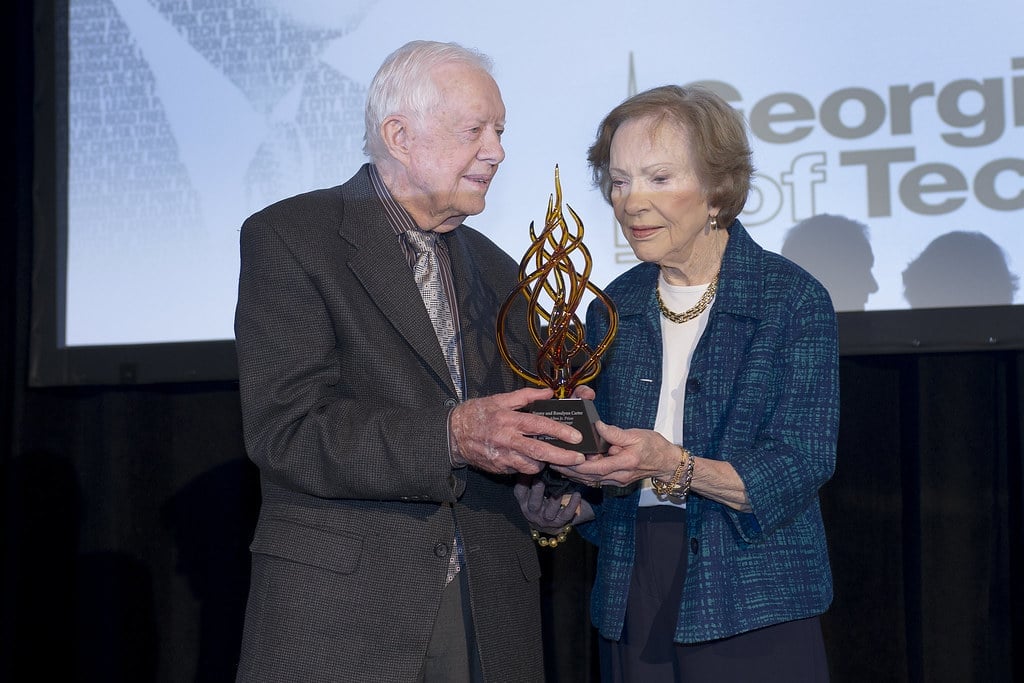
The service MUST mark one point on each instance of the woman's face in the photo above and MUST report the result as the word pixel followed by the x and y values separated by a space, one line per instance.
pixel 657 197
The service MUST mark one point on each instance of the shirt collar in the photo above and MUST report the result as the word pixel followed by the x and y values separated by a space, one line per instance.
pixel 398 218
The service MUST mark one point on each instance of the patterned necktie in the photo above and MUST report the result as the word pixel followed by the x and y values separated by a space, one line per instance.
pixel 427 273
pixel 426 270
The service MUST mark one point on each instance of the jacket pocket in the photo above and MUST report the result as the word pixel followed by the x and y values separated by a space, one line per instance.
pixel 529 563
pixel 328 549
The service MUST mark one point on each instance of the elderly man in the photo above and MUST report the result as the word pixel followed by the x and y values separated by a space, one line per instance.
pixel 379 411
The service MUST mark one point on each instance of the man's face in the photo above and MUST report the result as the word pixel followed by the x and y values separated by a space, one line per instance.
pixel 455 150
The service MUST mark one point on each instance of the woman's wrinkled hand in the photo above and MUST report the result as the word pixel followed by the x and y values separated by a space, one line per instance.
pixel 547 514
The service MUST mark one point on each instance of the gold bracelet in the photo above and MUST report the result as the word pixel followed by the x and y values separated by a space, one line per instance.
pixel 677 486
pixel 545 541
pixel 688 479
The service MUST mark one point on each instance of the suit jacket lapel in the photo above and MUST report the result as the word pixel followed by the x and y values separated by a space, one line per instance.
pixel 380 266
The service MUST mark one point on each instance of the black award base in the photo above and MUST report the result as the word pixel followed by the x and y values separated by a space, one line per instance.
pixel 580 414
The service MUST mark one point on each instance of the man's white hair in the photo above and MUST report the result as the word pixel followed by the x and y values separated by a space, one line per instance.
pixel 403 85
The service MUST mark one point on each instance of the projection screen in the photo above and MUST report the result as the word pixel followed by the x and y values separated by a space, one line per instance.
pixel 888 140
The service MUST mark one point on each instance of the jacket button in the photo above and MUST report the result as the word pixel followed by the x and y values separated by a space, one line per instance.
pixel 693 385
pixel 450 403
pixel 441 550
pixel 694 545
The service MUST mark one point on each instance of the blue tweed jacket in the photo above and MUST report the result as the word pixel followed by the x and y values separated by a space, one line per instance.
pixel 763 394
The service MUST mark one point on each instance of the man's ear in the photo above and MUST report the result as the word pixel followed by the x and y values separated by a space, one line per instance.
pixel 395 133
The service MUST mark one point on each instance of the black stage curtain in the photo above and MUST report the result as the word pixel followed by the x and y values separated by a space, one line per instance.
pixel 127 512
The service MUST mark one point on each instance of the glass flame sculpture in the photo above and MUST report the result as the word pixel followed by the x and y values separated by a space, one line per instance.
pixel 553 285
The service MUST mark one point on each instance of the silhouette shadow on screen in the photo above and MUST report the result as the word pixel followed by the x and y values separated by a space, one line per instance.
pixel 959 269
pixel 835 250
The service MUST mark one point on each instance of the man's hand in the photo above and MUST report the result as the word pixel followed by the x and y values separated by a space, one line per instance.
pixel 491 434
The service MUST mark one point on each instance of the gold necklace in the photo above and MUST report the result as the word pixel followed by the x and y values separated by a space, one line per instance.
pixel 692 313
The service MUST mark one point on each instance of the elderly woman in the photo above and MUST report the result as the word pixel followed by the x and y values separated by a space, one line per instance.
pixel 720 400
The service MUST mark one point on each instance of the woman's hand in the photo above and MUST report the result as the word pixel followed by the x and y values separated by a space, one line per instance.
pixel 584 392
pixel 633 454
pixel 549 514
pixel 636 454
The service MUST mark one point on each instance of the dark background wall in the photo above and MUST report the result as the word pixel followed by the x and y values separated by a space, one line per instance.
pixel 126 511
